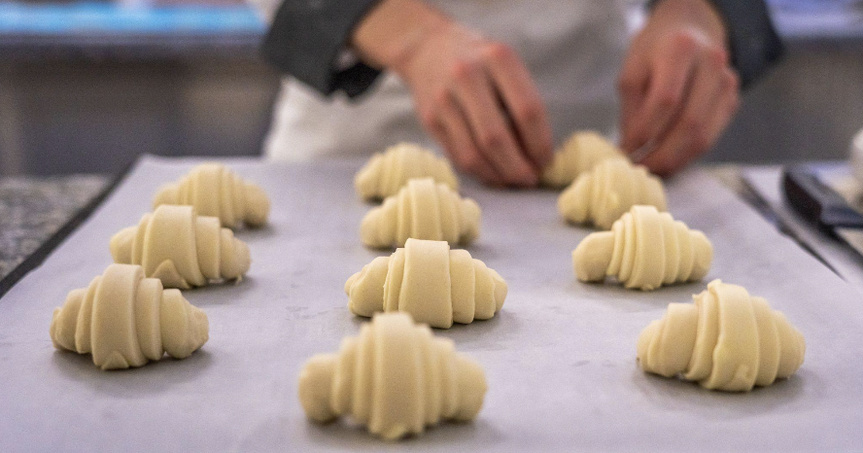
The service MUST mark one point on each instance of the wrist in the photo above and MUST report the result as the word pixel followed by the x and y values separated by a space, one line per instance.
pixel 393 30
pixel 699 13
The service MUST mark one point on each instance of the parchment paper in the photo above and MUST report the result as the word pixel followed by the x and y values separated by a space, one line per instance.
pixel 559 358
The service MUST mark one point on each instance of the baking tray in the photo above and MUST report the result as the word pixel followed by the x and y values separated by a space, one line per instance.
pixel 559 358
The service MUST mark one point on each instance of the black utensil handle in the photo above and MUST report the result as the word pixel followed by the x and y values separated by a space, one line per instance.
pixel 816 201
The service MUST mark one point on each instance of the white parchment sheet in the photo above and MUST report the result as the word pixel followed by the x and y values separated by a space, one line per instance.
pixel 559 358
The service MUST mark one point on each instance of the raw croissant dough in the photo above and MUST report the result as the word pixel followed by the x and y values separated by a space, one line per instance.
pixel 395 378
pixel 431 282
pixel 422 209
pixel 124 319
pixel 581 152
pixel 607 191
pixel 385 173
pixel 645 249
pixel 728 340
pixel 181 248
pixel 215 191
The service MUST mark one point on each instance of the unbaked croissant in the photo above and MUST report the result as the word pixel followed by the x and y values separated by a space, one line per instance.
pixel 395 377
pixel 645 249
pixel 181 248
pixel 431 282
pixel 124 320
pixel 728 340
pixel 385 173
pixel 422 209
pixel 581 152
pixel 601 195
pixel 216 191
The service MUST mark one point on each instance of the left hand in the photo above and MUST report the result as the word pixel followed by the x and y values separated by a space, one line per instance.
pixel 678 90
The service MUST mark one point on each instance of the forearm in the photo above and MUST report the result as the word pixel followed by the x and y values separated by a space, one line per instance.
pixel 750 36
pixel 393 30
pixel 701 14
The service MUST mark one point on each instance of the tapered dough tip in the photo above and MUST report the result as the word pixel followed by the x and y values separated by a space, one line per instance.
pixel 570 202
pixel 243 257
pixel 114 361
pixel 369 229
pixel 500 289
pixel 315 387
pixel 63 337
pixel 200 326
pixel 52 331
pixel 471 388
pixel 350 282
pixel 185 328
pixel 121 244
pixel 365 289
pixel 257 205
pixel 235 256
pixel 644 340
pixel 364 181
pixel 472 215
pixel 703 255
pixel 591 257
pixel 167 194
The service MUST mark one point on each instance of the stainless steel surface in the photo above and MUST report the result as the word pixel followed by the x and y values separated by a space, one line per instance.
pixel 846 262
pixel 808 192
pixel 853 238
pixel 559 358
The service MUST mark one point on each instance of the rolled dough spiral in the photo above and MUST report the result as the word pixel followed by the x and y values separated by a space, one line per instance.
pixel 431 282
pixel 601 195
pixel 422 209
pixel 581 152
pixel 645 249
pixel 181 248
pixel 385 173
pixel 124 320
pixel 728 340
pixel 395 378
pixel 216 191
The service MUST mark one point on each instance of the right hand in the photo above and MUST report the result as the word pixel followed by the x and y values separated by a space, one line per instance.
pixel 678 89
pixel 474 95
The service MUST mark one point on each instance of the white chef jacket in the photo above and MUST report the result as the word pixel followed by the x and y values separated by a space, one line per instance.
pixel 572 48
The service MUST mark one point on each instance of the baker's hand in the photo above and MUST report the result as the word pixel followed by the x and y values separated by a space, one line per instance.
pixel 678 90
pixel 474 95
pixel 477 99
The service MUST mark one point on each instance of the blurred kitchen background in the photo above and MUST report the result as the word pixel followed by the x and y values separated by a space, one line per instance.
pixel 85 86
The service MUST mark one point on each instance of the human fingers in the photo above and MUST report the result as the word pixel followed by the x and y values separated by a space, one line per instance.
pixel 632 87
pixel 687 136
pixel 450 128
pixel 710 105
pixel 490 129
pixel 670 73
pixel 523 102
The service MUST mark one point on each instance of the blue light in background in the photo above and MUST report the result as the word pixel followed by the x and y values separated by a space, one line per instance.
pixel 110 18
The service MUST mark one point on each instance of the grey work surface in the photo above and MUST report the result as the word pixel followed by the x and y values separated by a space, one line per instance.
pixel 559 358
